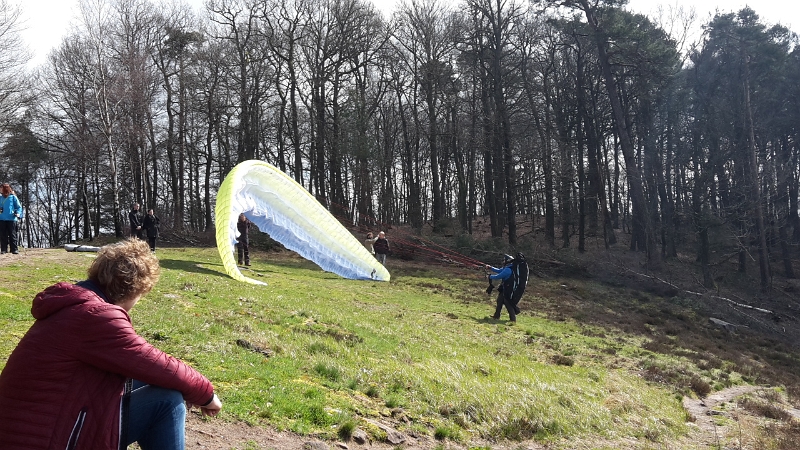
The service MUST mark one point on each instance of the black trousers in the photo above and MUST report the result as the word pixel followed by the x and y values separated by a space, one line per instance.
pixel 8 235
pixel 510 307
pixel 243 249
pixel 152 241
pixel 137 233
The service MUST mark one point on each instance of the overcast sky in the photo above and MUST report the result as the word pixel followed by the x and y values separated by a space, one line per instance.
pixel 46 21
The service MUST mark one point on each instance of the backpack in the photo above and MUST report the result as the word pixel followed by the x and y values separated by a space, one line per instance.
pixel 514 286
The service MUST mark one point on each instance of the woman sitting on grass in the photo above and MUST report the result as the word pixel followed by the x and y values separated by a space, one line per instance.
pixel 81 378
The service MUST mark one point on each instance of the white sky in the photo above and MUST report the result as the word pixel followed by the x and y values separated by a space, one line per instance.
pixel 46 21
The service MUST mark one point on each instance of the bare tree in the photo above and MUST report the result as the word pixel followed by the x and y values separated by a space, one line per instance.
pixel 237 23
pixel 13 57
pixel 425 31
pixel 171 53
pixel 106 88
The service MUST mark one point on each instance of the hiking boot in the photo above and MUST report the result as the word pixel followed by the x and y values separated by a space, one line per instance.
pixel 239 263
pixel 247 264
pixel 15 252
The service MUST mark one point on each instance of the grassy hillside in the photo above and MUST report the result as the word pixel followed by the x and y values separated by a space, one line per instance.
pixel 591 361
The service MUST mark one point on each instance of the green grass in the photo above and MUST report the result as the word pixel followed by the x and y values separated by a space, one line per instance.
pixel 344 350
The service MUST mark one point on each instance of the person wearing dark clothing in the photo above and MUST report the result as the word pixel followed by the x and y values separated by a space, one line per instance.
pixel 10 212
pixel 150 225
pixel 381 247
pixel 135 217
pixel 513 276
pixel 243 245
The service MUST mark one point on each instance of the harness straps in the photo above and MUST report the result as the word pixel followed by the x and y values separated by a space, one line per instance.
pixel 514 286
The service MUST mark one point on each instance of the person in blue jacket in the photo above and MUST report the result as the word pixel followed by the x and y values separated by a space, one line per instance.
pixel 503 274
pixel 10 212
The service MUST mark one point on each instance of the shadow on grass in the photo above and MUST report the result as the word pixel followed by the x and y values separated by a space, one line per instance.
pixel 273 264
pixel 192 266
pixel 258 267
pixel 491 320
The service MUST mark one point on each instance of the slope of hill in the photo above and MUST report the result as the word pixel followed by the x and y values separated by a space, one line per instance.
pixel 604 355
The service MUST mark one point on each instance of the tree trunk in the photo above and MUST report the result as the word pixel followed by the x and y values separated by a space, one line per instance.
pixel 634 176
pixel 414 199
pixel 755 192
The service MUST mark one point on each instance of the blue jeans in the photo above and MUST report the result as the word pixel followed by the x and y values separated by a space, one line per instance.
pixel 156 418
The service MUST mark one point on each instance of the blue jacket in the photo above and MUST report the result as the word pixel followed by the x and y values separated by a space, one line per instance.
pixel 12 208
pixel 500 274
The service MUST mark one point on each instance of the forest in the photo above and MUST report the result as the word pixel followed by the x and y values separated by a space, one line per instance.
pixel 579 116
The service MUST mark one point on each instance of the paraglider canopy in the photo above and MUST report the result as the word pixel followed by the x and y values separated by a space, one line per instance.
pixel 281 207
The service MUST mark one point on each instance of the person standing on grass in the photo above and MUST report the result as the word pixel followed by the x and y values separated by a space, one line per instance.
pixel 243 241
pixel 150 224
pixel 10 212
pixel 369 243
pixel 381 247
pixel 82 379
pixel 18 227
pixel 503 274
pixel 135 219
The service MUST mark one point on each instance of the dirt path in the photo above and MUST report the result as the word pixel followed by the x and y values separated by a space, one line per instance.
pixel 702 410
pixel 216 434
pixel 204 433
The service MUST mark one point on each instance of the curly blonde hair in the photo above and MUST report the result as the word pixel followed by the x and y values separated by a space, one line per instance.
pixel 125 270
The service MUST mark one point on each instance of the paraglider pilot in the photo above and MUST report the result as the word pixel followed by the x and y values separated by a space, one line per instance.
pixel 243 244
pixel 513 276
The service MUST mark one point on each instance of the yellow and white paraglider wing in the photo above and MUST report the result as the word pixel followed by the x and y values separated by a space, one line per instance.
pixel 282 208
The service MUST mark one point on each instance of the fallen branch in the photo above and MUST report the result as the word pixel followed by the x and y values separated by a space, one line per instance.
pixel 203 432
pixel 700 294
pixel 726 325
pixel 80 248
pixel 255 348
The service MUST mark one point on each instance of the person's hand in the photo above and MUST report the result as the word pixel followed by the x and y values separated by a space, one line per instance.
pixel 212 409
pixel 139 227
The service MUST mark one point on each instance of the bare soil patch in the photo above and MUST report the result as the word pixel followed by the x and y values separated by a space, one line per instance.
pixel 53 255
pixel 209 433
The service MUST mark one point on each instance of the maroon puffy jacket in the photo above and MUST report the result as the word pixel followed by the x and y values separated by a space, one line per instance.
pixel 66 377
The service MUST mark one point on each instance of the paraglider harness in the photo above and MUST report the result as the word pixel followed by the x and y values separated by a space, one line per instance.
pixel 514 286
